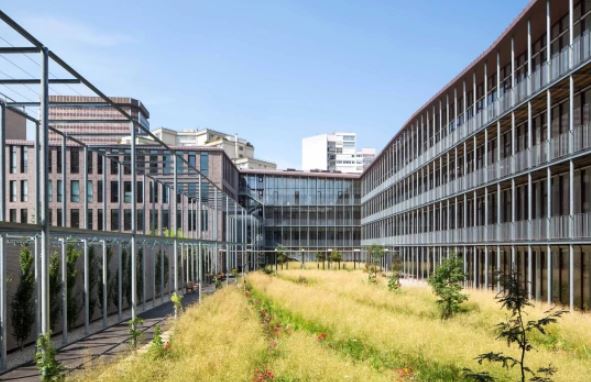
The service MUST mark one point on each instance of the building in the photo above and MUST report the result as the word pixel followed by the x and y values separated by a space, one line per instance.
pixel 335 152
pixel 69 114
pixel 306 212
pixel 239 150
pixel 496 166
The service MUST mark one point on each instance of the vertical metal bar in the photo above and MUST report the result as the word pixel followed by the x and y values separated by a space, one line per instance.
pixel 175 228
pixel 104 278
pixel 133 223
pixel 86 287
pixel 144 254
pixel 120 281
pixel 3 304
pixel 64 180
pixel 87 224
pixel 44 211
pixel 64 276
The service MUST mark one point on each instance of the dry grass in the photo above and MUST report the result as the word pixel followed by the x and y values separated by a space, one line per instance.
pixel 406 323
pixel 220 340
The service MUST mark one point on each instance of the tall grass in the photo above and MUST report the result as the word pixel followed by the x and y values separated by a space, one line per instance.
pixel 220 340
pixel 407 324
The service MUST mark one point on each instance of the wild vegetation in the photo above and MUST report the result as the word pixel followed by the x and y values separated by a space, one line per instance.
pixel 335 325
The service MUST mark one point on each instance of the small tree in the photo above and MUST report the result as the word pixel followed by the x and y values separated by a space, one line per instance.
pixel 55 288
pixel 516 330
pixel 50 368
pixel 177 302
pixel 337 257
pixel 280 253
pixel 394 280
pixel 446 282
pixel 376 253
pixel 23 303
pixel 134 332
pixel 72 255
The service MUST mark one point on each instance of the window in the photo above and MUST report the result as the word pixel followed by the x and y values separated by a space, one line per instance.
pixel 50 161
pixel 114 191
pixel 139 188
pixel 114 220
pixel 89 191
pixel 204 221
pixel 74 191
pixel 24 191
pixel 192 161
pixel 60 218
pixel 12 215
pixel 204 163
pixel 74 160
pixel 89 222
pixel 59 191
pixel 24 159
pixel 114 167
pixel 139 221
pixel 127 192
pixel 13 190
pixel 127 164
pixel 50 190
pixel 24 215
pixel 89 161
pixel 99 220
pixel 12 159
pixel 99 164
pixel 99 191
pixel 165 192
pixel 75 218
pixel 126 219
pixel 58 159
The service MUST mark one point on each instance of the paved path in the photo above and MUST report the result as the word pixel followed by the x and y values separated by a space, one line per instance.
pixel 104 344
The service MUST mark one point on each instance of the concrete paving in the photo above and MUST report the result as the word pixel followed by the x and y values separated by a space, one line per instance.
pixel 105 344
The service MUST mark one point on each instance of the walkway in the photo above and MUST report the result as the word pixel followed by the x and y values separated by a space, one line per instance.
pixel 104 344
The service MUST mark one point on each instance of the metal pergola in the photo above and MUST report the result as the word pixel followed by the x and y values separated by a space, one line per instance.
pixel 30 76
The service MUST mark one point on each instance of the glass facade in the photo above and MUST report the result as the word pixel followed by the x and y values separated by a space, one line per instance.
pixel 306 211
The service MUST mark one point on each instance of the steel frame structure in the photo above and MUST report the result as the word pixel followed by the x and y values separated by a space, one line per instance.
pixel 185 182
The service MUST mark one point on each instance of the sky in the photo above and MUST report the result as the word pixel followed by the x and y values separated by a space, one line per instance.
pixel 271 71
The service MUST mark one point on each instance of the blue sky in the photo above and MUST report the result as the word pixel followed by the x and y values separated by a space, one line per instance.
pixel 271 71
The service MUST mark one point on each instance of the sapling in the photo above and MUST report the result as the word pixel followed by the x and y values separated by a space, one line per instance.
pixel 134 332
pixel 394 279
pixel 50 369
pixel 376 252
pixel 157 347
pixel 517 330
pixel 446 282
pixel 177 302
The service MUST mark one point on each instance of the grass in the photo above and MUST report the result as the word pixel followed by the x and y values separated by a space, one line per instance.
pixel 221 340
pixel 405 325
pixel 330 325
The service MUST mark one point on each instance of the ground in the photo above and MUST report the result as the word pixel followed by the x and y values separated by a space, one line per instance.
pixel 333 325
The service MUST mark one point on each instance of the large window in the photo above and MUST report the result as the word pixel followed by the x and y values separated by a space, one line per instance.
pixel 89 191
pixel 24 191
pixel 24 159
pixel 114 191
pixel 75 191
pixel 114 219
pixel 204 163
pixel 74 160
pixel 13 190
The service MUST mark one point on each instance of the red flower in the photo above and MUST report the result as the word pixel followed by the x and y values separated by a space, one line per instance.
pixel 322 336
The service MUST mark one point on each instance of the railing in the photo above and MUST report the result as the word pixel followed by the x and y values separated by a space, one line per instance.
pixel 582 137
pixel 559 146
pixel 559 226
pixel 521 230
pixel 538 227
pixel 582 225
pixel 520 161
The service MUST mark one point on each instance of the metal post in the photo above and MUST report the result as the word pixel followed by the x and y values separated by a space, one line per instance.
pixel 104 281
pixel 175 228
pixel 64 276
pixel 3 294
pixel 120 281
pixel 86 287
pixel 44 211
pixel 133 223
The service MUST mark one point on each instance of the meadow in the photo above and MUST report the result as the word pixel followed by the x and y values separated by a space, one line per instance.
pixel 334 325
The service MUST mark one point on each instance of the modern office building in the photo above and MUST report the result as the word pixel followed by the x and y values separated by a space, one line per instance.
pixel 335 152
pixel 239 150
pixel 496 166
pixel 306 212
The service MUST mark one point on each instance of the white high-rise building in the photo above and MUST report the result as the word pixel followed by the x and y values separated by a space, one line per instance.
pixel 335 152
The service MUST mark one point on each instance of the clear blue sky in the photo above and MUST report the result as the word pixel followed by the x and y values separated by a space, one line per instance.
pixel 272 71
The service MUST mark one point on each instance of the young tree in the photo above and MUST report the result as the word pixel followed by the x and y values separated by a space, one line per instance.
pixel 517 330
pixel 446 282
pixel 337 257
pixel 50 369
pixel 55 288
pixel 280 253
pixel 23 303
pixel 376 253
pixel 394 280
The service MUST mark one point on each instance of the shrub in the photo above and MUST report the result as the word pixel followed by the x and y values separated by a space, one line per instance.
pixel 337 257
pixel 394 279
pixel 446 282
pixel 135 333
pixel 55 288
pixel 23 303
pixel 72 255
pixel 49 367
pixel 177 302
pixel 158 348
pixel 516 330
